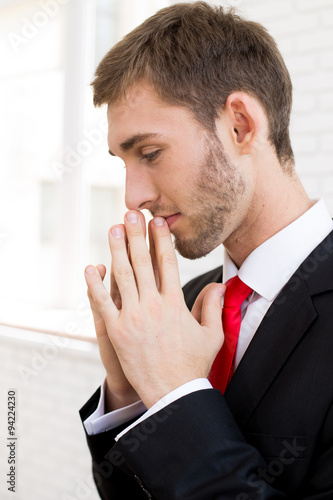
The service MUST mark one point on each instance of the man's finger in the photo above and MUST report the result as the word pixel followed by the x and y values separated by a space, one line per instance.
pixel 166 258
pixel 121 266
pixel 139 254
pixel 98 318
pixel 114 290
pixel 144 229
pixel 102 271
pixel 152 250
pixel 99 295
pixel 211 313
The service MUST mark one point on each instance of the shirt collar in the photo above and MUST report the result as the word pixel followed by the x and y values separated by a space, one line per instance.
pixel 280 256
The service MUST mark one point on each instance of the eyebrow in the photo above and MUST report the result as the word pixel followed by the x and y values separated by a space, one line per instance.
pixel 133 141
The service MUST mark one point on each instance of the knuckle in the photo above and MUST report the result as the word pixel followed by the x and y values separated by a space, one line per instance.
pixel 169 258
pixel 135 232
pixel 142 261
pixel 123 273
pixel 102 300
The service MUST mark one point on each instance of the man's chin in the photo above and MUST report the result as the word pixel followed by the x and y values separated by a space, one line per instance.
pixel 192 249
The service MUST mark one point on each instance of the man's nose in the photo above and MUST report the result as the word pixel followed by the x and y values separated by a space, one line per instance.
pixel 140 191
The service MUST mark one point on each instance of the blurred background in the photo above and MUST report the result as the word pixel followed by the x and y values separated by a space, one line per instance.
pixel 60 191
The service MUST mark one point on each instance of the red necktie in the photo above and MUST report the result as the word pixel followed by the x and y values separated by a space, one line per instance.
pixel 223 366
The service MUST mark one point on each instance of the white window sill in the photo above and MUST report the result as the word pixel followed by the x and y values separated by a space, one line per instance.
pixel 68 323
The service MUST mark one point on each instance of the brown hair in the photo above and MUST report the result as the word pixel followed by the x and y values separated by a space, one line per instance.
pixel 196 55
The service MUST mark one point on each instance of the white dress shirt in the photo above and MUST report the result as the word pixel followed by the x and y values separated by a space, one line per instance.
pixel 277 258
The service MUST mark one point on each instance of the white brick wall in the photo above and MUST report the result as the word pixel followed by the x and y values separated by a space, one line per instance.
pixel 303 32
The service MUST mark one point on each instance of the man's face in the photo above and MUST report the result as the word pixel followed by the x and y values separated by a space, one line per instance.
pixel 177 170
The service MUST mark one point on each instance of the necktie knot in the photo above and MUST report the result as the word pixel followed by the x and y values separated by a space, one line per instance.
pixel 236 292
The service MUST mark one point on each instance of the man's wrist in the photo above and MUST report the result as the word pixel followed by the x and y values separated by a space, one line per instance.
pixel 115 399
pixel 100 421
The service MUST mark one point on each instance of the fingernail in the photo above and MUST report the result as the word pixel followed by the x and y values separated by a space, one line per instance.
pixel 132 217
pixel 117 232
pixel 159 221
pixel 90 270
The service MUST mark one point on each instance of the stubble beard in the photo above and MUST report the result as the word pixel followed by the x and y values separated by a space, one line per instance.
pixel 216 195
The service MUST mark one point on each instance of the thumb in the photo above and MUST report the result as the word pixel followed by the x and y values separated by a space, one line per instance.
pixel 211 313
pixel 197 306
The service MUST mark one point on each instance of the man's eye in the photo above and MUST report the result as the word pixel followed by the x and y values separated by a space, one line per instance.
pixel 151 156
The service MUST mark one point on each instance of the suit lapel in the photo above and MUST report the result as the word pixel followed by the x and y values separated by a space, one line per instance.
pixel 280 331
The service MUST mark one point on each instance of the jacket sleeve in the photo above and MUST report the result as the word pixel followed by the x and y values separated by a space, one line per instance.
pixel 112 482
pixel 193 450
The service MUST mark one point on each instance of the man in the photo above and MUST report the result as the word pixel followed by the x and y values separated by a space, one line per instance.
pixel 198 108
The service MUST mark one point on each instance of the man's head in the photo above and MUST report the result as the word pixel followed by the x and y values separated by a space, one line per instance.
pixel 195 55
pixel 178 170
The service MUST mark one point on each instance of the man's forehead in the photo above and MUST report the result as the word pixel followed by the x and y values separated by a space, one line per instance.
pixel 133 118
pixel 136 94
pixel 141 112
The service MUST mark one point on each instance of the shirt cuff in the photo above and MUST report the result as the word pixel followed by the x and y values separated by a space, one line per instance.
pixel 99 422
pixel 187 388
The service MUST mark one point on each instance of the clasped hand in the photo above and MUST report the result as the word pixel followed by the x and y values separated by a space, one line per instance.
pixel 150 343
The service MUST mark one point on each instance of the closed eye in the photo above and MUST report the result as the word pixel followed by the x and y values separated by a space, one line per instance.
pixel 151 156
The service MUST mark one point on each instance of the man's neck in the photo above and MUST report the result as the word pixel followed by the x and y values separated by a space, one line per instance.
pixel 276 204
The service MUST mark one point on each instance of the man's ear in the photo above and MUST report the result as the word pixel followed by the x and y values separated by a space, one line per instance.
pixel 244 120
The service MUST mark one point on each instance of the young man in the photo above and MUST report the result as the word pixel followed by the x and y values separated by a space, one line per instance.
pixel 198 107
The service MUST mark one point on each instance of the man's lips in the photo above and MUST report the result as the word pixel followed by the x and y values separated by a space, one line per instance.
pixel 171 219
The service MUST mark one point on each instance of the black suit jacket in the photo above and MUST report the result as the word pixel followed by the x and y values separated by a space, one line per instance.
pixel 270 436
